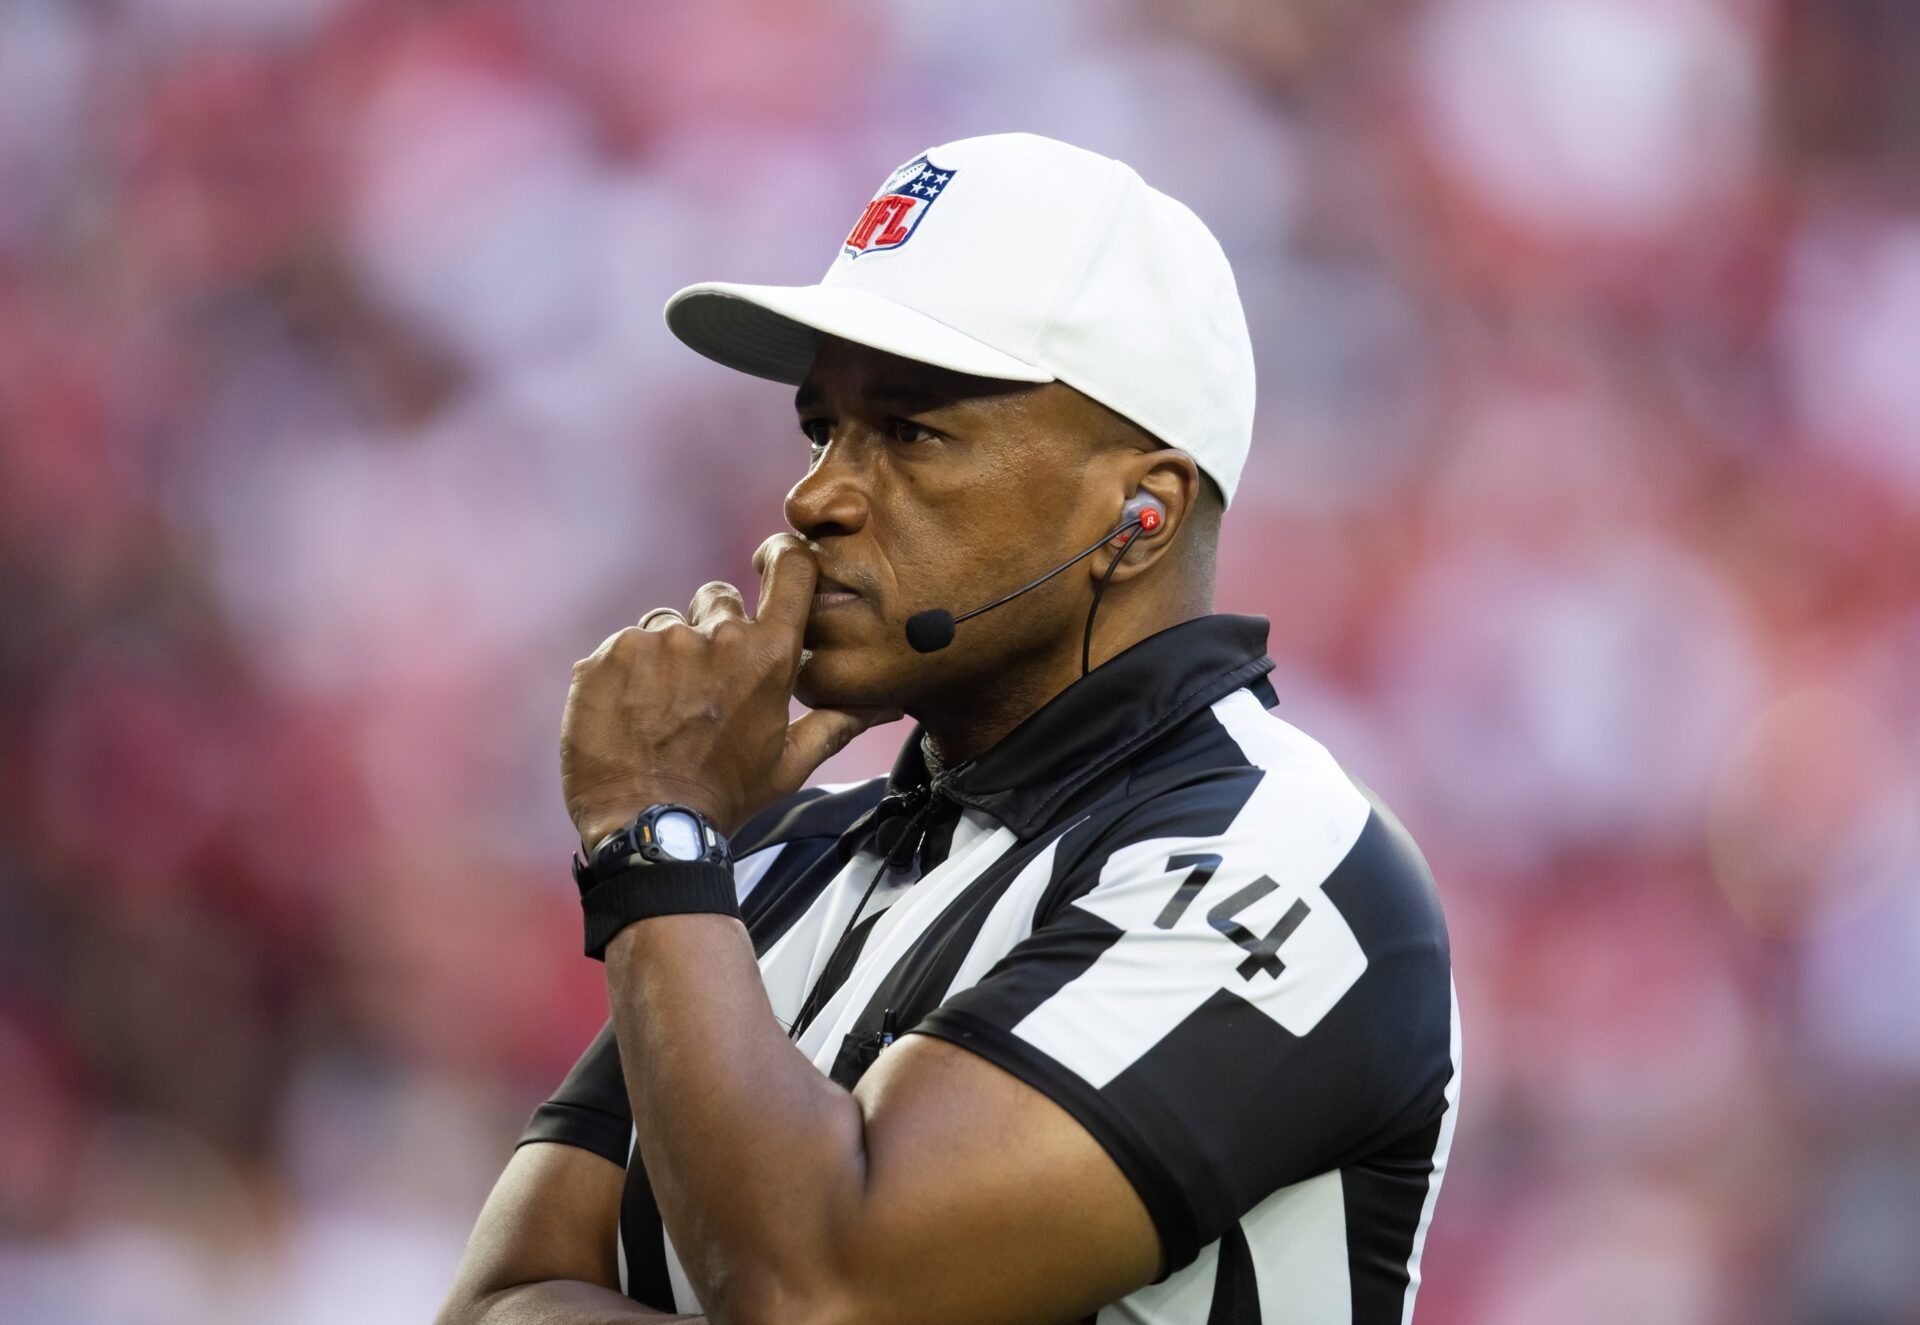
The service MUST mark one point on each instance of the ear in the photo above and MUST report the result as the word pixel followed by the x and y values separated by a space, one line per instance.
pixel 1170 476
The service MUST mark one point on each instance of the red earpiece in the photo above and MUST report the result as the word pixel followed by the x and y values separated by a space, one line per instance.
pixel 1145 508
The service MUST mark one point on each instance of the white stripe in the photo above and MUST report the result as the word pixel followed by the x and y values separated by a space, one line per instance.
pixel 619 1228
pixel 834 788
pixel 977 843
pixel 789 967
pixel 1442 1148
pixel 1297 1240
pixel 1182 1298
pixel 684 1298
pixel 1011 918
pixel 753 867
pixel 1296 825
pixel 1297 1245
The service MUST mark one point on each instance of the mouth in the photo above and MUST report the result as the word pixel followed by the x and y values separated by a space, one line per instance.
pixel 829 592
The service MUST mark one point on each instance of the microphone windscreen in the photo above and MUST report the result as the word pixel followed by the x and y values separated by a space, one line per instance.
pixel 930 630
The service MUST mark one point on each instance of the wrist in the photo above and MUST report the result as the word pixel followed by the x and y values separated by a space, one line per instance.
pixel 666 859
pixel 702 888
pixel 597 824
pixel 598 829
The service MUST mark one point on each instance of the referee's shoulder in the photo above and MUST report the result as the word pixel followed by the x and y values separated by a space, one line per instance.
pixel 1241 777
pixel 1238 754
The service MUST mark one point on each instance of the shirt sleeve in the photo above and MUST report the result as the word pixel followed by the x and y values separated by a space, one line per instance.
pixel 1249 985
pixel 590 1109
pixel 774 855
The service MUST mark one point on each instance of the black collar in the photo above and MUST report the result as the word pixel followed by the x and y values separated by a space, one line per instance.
pixel 1103 718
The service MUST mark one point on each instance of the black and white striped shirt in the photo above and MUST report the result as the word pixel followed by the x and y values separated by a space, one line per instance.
pixel 1174 914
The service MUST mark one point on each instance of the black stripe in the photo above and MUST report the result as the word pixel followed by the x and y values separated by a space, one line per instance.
pixel 1197 746
pixel 792 884
pixel 644 1237
pixel 809 812
pixel 919 980
pixel 1184 800
pixel 1384 1198
pixel 1051 958
pixel 590 1108
pixel 1236 1292
pixel 840 964
pixel 1200 744
pixel 1371 1073
pixel 570 1124
pixel 936 842
pixel 1108 717
pixel 809 825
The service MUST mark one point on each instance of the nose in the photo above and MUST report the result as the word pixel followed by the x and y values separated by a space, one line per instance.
pixel 831 499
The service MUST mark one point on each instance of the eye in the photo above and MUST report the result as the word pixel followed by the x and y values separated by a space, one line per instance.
pixel 815 431
pixel 907 431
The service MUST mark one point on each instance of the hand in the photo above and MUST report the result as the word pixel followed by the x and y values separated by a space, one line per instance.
pixel 695 710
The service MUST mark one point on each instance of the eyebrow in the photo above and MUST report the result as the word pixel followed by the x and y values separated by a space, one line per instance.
pixel 913 397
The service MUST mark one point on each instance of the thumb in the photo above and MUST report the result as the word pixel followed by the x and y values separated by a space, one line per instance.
pixel 819 735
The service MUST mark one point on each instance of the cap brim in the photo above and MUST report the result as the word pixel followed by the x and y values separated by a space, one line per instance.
pixel 771 330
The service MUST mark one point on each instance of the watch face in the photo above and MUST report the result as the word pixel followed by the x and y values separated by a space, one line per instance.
pixel 678 834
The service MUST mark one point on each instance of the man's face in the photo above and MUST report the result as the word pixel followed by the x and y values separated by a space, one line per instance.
pixel 930 488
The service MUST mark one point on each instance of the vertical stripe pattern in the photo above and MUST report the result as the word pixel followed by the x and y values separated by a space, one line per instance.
pixel 1174 914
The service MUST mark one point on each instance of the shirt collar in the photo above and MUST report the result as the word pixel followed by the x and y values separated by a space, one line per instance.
pixel 1100 720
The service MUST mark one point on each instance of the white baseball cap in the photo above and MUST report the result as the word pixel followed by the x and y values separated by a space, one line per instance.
pixel 1017 256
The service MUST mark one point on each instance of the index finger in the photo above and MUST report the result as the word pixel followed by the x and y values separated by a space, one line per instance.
pixel 787 575
pixel 716 601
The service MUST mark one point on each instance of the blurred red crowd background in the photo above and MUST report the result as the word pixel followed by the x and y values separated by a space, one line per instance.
pixel 337 419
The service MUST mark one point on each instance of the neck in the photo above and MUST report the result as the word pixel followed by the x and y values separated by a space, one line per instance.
pixel 965 726
pixel 949 739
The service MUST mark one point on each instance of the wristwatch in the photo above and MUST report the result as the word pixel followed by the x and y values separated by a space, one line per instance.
pixel 667 860
pixel 660 834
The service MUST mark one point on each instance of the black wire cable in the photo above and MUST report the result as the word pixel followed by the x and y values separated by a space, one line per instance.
pixel 1086 640
pixel 1105 539
pixel 808 1009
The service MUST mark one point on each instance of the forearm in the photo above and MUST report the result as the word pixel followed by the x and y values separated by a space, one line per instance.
pixel 757 1160
pixel 556 1302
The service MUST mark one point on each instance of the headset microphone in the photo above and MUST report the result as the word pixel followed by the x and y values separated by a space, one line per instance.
pixel 933 629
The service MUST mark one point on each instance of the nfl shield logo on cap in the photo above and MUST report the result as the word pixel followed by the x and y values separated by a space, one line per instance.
pixel 895 212
pixel 1050 264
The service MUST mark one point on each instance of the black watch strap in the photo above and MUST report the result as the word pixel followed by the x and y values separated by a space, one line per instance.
pixel 661 888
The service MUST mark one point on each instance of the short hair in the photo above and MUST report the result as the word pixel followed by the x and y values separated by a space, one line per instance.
pixel 1212 501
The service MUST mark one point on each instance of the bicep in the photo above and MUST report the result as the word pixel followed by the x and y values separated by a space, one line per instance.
pixel 985 1200
pixel 553 1214
pixel 1204 1027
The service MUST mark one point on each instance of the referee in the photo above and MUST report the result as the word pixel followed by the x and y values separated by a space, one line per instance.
pixel 1117 999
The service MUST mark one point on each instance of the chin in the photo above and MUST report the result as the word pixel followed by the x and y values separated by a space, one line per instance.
pixel 847 676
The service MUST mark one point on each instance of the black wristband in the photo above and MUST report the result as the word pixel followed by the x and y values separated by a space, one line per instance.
pixel 666 888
